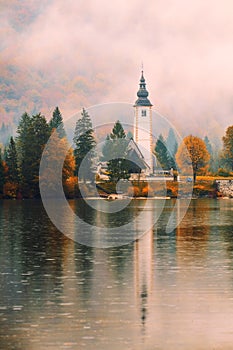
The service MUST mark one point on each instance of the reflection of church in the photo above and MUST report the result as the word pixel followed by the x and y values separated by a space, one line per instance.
pixel 143 270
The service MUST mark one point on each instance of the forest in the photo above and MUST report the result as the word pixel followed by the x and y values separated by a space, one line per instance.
pixel 20 156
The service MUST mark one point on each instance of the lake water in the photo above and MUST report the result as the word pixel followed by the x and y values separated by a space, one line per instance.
pixel 163 291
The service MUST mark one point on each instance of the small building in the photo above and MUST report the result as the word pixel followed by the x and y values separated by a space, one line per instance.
pixel 136 160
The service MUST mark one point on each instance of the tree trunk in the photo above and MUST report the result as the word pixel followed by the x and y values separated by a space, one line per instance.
pixel 194 176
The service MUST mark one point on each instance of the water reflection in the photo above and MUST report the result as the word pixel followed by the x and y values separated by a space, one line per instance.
pixel 165 291
pixel 143 262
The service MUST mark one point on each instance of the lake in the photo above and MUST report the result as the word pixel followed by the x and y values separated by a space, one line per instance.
pixel 162 291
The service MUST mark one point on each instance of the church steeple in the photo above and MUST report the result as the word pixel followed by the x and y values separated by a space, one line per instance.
pixel 143 124
pixel 142 93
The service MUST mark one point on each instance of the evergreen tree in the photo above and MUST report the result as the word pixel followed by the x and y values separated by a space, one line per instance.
pixel 23 134
pixel 162 154
pixel 5 132
pixel 228 147
pixel 12 162
pixel 129 135
pixel 84 146
pixel 115 152
pixel 2 175
pixel 172 146
pixel 214 161
pixel 171 142
pixel 56 122
pixel 33 135
pixel 208 145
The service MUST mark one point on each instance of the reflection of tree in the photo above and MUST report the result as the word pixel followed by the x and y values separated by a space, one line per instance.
pixel 227 234
pixel 192 234
pixel 120 256
pixel 41 246
pixel 84 262
pixel 33 253
pixel 99 218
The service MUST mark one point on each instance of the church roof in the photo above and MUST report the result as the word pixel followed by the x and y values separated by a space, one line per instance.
pixel 135 154
pixel 142 93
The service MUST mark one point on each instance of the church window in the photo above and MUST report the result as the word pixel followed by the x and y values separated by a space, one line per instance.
pixel 143 113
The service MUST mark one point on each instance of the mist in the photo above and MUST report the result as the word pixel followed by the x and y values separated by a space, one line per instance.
pixel 78 54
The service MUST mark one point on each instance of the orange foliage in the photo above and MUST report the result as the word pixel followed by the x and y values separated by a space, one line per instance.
pixel 193 153
pixel 10 190
pixel 70 186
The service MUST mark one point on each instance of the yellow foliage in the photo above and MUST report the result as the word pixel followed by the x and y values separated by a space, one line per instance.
pixel 193 153
pixel 56 154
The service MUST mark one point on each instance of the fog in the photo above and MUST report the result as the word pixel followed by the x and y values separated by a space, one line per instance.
pixel 76 54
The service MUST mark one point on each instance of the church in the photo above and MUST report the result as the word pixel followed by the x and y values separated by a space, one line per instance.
pixel 140 147
pixel 143 125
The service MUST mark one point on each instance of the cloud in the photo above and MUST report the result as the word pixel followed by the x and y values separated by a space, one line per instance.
pixel 75 54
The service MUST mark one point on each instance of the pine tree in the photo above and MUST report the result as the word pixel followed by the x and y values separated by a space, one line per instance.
pixel 56 122
pixel 117 131
pixel 208 145
pixel 2 175
pixel 33 135
pixel 129 135
pixel 172 146
pixel 23 134
pixel 213 163
pixel 5 132
pixel 228 147
pixel 84 146
pixel 162 154
pixel 171 142
pixel 12 162
pixel 115 152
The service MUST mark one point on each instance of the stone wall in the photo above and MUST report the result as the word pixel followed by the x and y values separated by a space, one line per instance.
pixel 225 187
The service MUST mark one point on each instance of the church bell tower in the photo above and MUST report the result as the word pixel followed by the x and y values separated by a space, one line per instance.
pixel 143 124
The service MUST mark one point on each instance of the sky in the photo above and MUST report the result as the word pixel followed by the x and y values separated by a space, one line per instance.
pixel 77 54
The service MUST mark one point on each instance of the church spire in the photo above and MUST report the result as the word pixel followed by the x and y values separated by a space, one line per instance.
pixel 142 93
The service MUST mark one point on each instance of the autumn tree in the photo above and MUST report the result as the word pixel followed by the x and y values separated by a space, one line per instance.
pixel 56 122
pixel 56 155
pixel 84 142
pixel 115 152
pixel 228 147
pixel 193 152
